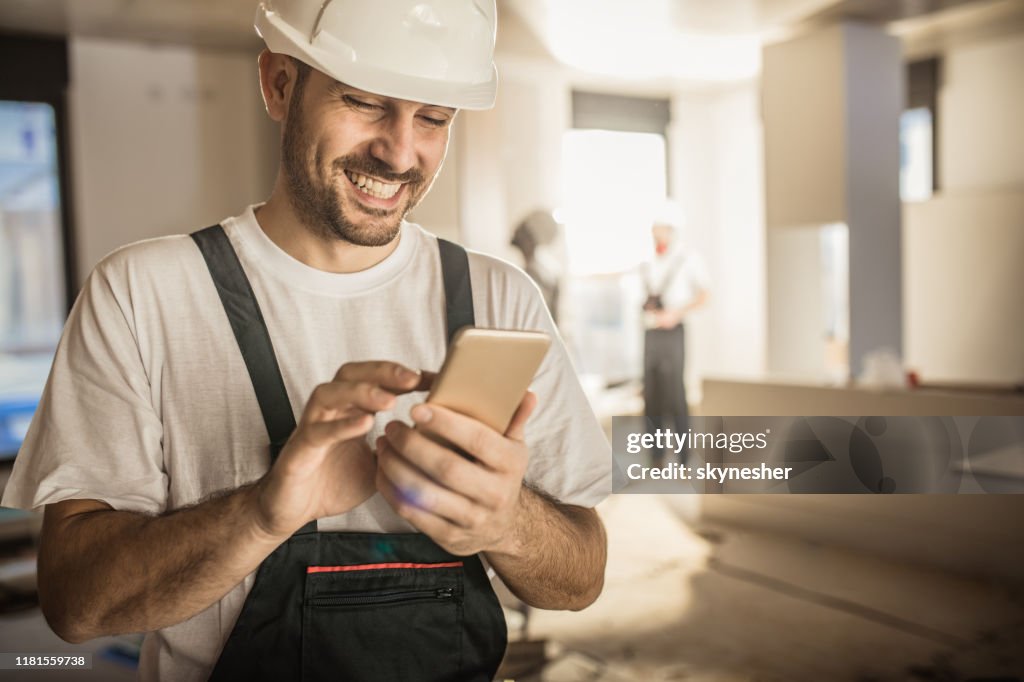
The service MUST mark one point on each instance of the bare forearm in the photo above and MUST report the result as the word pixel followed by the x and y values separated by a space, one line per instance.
pixel 698 302
pixel 108 572
pixel 557 557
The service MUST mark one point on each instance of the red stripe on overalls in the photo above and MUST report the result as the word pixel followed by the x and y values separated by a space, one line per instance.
pixel 372 567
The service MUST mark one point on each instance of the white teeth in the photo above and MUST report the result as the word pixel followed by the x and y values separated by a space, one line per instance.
pixel 374 188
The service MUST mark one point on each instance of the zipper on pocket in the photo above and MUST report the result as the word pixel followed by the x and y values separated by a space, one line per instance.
pixel 440 593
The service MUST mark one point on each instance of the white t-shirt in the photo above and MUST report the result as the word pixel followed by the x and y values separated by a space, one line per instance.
pixel 149 406
pixel 677 276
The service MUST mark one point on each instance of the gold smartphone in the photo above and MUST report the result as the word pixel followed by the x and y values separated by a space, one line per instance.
pixel 487 372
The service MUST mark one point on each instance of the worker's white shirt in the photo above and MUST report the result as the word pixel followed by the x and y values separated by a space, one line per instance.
pixel 149 406
pixel 678 276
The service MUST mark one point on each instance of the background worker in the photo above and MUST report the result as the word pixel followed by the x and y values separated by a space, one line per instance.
pixel 533 236
pixel 676 282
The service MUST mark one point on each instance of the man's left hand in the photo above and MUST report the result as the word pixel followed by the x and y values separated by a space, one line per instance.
pixel 465 505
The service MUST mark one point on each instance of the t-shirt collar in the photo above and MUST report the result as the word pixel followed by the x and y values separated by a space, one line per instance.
pixel 269 256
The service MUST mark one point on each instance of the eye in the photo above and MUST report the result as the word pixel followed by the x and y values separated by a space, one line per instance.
pixel 360 104
pixel 435 118
pixel 435 122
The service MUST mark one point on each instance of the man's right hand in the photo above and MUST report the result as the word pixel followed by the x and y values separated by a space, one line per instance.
pixel 327 466
pixel 104 572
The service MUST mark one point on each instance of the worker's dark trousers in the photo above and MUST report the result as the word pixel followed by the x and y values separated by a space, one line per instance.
pixel 664 390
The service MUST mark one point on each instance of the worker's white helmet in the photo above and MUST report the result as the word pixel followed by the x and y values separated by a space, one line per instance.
pixel 432 51
pixel 669 213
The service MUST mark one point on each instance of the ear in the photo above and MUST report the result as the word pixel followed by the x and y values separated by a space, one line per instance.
pixel 277 79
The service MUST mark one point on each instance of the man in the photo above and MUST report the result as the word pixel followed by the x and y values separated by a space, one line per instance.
pixel 677 284
pixel 150 447
pixel 539 230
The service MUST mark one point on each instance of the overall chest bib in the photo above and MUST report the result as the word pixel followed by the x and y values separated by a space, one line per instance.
pixel 352 607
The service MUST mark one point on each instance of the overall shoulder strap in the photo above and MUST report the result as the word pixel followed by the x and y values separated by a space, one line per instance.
pixel 673 269
pixel 250 332
pixel 253 339
pixel 458 290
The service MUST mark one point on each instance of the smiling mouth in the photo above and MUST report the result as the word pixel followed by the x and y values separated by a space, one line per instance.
pixel 372 187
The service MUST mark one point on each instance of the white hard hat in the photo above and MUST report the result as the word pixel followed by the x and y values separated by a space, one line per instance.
pixel 669 213
pixel 432 51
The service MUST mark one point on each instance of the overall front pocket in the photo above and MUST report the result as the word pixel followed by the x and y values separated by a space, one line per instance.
pixel 373 622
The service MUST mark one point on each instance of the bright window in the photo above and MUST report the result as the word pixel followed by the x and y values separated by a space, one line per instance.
pixel 916 154
pixel 612 184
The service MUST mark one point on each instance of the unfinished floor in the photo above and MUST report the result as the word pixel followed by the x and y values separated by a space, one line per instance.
pixel 707 604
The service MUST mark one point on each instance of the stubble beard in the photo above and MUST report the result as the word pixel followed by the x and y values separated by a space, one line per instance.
pixel 314 190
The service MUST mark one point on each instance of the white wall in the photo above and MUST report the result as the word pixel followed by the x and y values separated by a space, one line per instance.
pixel 963 249
pixel 164 140
pixel 981 106
pixel 796 307
pixel 718 175
pixel 804 91
pixel 963 281
pixel 438 212
pixel 510 156
pixel 536 112
pixel 483 221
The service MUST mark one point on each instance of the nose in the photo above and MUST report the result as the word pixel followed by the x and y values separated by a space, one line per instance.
pixel 395 145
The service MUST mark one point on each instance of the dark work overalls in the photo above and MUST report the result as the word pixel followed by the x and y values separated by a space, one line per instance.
pixel 352 607
pixel 665 404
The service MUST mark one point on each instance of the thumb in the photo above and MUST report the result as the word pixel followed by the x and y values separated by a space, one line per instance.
pixel 517 427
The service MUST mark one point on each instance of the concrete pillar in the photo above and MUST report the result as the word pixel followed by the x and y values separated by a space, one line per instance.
pixel 832 99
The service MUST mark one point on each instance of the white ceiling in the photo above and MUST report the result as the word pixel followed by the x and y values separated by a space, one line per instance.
pixel 225 23
pixel 681 40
